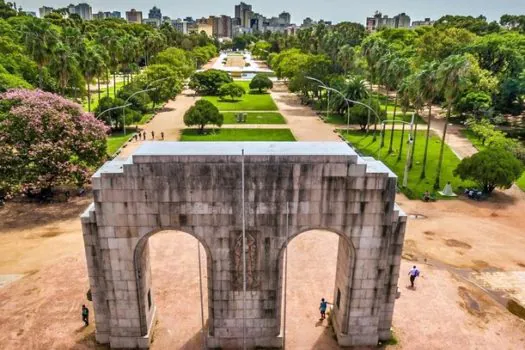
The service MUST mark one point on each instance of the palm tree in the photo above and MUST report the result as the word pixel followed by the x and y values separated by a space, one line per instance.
pixel 89 69
pixel 427 83
pixel 101 66
pixel 373 49
pixel 64 63
pixel 397 70
pixel 40 40
pixel 418 102
pixel 404 102
pixel 383 79
pixel 152 42
pixel 130 49
pixel 451 77
pixel 346 58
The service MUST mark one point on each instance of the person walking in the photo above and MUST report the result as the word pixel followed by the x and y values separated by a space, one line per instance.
pixel 322 308
pixel 85 315
pixel 144 135
pixel 162 135
pixel 413 273
pixel 153 135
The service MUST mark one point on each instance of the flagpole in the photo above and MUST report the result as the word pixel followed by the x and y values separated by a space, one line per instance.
pixel 243 258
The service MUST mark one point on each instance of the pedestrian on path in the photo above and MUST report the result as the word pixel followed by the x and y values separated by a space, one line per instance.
pixel 144 135
pixel 322 308
pixel 85 315
pixel 413 273
pixel 153 135
pixel 162 135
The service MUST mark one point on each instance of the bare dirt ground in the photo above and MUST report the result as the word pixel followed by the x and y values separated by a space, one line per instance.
pixel 457 238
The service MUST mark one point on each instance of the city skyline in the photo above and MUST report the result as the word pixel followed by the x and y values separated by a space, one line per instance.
pixel 336 11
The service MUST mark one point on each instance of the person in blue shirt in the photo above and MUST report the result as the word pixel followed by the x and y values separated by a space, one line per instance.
pixel 322 308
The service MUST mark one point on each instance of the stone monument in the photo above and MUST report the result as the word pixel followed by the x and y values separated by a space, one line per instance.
pixel 196 188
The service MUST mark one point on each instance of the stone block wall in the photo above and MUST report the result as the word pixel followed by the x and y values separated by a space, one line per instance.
pixel 201 195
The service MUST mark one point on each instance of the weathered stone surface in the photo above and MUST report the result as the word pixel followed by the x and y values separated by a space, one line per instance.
pixel 196 188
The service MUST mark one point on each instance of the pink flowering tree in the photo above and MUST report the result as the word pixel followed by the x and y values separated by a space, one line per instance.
pixel 45 141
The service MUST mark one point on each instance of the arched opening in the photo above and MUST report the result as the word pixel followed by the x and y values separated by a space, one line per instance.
pixel 320 265
pixel 169 289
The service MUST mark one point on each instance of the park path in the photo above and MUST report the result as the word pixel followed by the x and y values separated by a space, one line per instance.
pixel 169 120
pixel 302 120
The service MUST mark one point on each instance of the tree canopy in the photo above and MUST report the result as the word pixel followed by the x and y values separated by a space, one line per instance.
pixel 202 114
pixel 260 82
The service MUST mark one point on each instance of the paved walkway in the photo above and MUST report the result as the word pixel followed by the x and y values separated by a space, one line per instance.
pixel 169 120
pixel 302 120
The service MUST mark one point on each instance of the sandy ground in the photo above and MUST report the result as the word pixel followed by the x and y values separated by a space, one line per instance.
pixel 235 61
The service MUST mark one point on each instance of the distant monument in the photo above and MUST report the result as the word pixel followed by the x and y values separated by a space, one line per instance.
pixel 196 188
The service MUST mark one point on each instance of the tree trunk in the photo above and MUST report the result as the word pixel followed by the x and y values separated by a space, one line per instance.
pixel 40 77
pixel 393 125
pixel 423 171
pixel 98 87
pixel 441 150
pixel 107 83
pixel 382 137
pixel 89 97
pixel 114 86
pixel 401 142
pixel 411 163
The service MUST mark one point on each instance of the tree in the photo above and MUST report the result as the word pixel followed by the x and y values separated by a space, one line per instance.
pixel 201 114
pixel 165 79
pixel 490 168
pixel 452 80
pixel 261 82
pixel 426 82
pixel 40 40
pixel 361 114
pixel 48 142
pixel 233 90
pixel 64 63
pixel 474 103
pixel 397 71
pixel 112 118
pixel 208 82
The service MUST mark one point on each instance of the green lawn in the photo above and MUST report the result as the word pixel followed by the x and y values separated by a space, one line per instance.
pixel 416 186
pixel 342 119
pixel 116 140
pixel 476 142
pixel 238 135
pixel 94 95
pixel 255 118
pixel 251 101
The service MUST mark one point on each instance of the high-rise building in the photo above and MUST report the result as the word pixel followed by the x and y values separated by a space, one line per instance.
pixel 134 16
pixel 180 25
pixel 154 22
pixel 83 10
pixel 378 21
pixel 402 21
pixel 223 27
pixel 45 10
pixel 426 22
pixel 155 13
pixel 244 13
pixel 307 22
pixel 285 17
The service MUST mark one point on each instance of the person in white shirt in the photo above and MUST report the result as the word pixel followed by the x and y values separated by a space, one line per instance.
pixel 413 273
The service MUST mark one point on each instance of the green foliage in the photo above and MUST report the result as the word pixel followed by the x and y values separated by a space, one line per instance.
pixel 11 81
pixel 474 103
pixel 261 82
pixel 238 135
pixel 233 90
pixel 208 82
pixel 131 93
pixel 112 118
pixel 166 80
pixel 490 168
pixel 201 114
pixel 177 59
pixel 478 25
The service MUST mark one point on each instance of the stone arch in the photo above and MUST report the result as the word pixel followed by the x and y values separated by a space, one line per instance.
pixel 141 264
pixel 344 274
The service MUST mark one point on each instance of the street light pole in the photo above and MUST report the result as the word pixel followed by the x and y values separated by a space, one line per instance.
pixel 112 109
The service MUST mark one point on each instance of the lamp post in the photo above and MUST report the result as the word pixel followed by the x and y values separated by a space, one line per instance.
pixel 323 85
pixel 125 102
pixel 112 109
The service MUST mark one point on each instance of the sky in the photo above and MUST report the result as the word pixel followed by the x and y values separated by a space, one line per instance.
pixel 330 10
